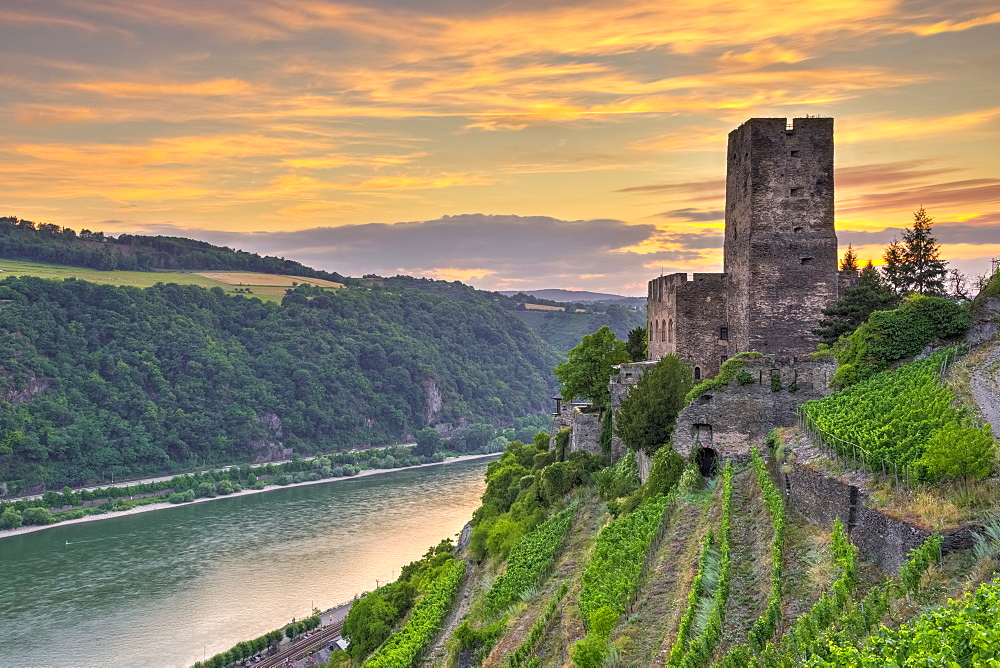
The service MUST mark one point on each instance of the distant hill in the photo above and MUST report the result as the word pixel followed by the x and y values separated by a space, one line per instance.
pixel 99 380
pixel 561 324
pixel 50 251
pixel 49 243
pixel 572 296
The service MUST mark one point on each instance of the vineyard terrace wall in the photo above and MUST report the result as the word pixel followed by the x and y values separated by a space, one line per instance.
pixel 886 540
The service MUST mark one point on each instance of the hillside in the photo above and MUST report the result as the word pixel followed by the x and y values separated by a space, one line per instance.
pixel 102 380
pixel 268 287
pixel 576 296
pixel 564 330
pixel 46 250
pixel 51 244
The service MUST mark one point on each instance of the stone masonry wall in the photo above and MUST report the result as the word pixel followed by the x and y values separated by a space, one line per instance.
pixel 586 434
pixel 884 539
pixel 687 316
pixel 586 427
pixel 623 379
pixel 780 246
pixel 736 417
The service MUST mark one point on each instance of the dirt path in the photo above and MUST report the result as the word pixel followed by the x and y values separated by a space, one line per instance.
pixel 985 385
pixel 751 562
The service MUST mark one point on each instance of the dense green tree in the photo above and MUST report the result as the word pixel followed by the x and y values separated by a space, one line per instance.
pixel 664 473
pixel 428 442
pixel 895 269
pixel 636 344
pixel 370 625
pixel 126 382
pixel 915 264
pixel 10 519
pixel 955 451
pixel 649 413
pixel 585 375
pixel 36 515
pixel 870 294
pixel 889 336
pixel 923 265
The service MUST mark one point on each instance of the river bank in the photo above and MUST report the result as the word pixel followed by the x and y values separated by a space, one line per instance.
pixel 7 533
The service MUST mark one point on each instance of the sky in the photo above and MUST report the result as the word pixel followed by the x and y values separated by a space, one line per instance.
pixel 510 145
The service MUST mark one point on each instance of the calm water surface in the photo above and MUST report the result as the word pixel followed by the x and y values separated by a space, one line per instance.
pixel 167 587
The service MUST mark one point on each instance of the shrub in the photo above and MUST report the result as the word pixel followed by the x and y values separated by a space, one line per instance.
pixel 619 480
pixel 181 497
pixel 729 370
pixel 889 336
pixel 664 473
pixel 11 519
pixel 36 515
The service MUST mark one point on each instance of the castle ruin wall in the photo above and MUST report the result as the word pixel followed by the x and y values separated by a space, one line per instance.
pixel 688 317
pixel 623 379
pixel 736 417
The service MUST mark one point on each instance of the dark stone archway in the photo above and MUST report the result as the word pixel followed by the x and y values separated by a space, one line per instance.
pixel 707 460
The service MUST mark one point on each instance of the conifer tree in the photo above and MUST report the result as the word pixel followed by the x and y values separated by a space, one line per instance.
pixel 894 269
pixel 871 294
pixel 850 261
pixel 922 256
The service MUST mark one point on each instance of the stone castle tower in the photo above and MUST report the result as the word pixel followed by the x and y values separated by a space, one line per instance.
pixel 780 253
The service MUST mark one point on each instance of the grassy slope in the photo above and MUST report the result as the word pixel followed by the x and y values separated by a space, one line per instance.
pixel 270 288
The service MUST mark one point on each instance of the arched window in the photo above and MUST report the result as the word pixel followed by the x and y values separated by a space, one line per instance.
pixel 697 373
pixel 663 331
pixel 670 331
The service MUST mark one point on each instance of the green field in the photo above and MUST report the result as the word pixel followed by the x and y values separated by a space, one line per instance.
pixel 272 286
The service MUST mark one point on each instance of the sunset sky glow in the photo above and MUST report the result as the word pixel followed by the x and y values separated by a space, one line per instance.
pixel 509 145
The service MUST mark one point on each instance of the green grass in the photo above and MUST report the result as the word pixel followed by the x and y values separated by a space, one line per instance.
pixel 137 279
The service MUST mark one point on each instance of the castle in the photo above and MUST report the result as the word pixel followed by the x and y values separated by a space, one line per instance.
pixel 780 254
pixel 780 272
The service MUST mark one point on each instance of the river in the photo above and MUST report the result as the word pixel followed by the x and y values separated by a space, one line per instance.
pixel 169 587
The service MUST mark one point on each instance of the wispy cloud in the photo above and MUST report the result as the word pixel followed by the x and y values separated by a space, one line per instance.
pixel 243 114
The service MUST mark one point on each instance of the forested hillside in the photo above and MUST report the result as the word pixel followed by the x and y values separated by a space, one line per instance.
pixel 562 326
pixel 46 242
pixel 22 239
pixel 100 379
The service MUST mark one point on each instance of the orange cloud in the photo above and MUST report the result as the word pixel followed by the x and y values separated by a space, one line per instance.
pixel 955 26
pixel 761 55
pixel 861 129
pixel 449 273
pixel 158 89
